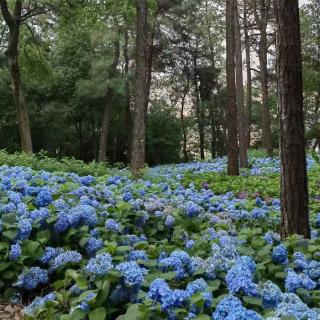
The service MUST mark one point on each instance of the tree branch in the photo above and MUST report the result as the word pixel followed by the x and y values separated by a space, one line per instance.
pixel 6 14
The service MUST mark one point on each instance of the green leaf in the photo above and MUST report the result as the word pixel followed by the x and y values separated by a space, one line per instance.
pixel 43 236
pixel 253 301
pixel 10 234
pixel 77 314
pixel 202 317
pixel 103 293
pixel 136 312
pixel 4 265
pixel 98 314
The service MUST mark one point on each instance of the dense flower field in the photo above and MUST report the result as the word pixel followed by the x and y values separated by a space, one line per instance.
pixel 164 247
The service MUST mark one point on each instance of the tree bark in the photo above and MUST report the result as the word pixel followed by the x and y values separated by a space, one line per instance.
pixel 108 106
pixel 262 23
pixel 248 69
pixel 231 106
pixel 138 143
pixel 198 105
pixel 182 121
pixel 294 186
pixel 13 22
pixel 149 66
pixel 127 93
pixel 242 115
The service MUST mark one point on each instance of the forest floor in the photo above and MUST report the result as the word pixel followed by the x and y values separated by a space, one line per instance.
pixel 185 242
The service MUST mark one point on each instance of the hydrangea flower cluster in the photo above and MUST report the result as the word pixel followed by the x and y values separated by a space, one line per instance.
pixel 231 308
pixel 15 252
pixel 132 273
pixel 179 261
pixel 112 225
pixel 295 281
pixel 32 278
pixel 100 265
pixel 39 302
pixel 280 254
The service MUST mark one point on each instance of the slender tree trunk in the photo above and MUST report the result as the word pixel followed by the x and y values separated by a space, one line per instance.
pixel 213 128
pixel 127 94
pixel 294 186
pixel 108 106
pixel 182 121
pixel 248 69
pixel 266 118
pixel 102 156
pixel 149 67
pixel 199 107
pixel 138 143
pixel 242 115
pixel 262 23
pixel 231 106
pixel 13 22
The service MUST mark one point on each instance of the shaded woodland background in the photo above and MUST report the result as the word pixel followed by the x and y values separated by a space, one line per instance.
pixel 77 64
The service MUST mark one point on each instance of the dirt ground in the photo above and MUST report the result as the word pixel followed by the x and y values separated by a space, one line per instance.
pixel 11 312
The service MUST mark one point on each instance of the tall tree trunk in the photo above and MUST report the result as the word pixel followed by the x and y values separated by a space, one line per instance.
pixel 102 156
pixel 262 23
pixel 242 115
pixel 266 118
pixel 182 121
pixel 248 69
pixel 108 106
pixel 294 185
pixel 13 22
pixel 213 129
pixel 138 143
pixel 231 106
pixel 199 106
pixel 149 66
pixel 127 94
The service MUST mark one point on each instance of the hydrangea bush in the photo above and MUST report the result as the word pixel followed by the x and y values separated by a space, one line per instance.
pixel 169 246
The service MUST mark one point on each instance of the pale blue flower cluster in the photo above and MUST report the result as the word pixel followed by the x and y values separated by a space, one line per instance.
pixel 100 265
pixel 32 278
pixel 132 273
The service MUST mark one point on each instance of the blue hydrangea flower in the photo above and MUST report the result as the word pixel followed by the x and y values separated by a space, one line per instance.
pixel 49 254
pixel 179 261
pixel 112 225
pixel 280 254
pixel 200 285
pixel 38 303
pixel 40 214
pixel 15 197
pixel 137 255
pixel 270 294
pixel 295 281
pixel 78 216
pixel 15 252
pixel 160 291
pixel 65 258
pixel 192 209
pixel 25 229
pixel 292 306
pixel 230 308
pixel 100 265
pixel 87 180
pixel 44 198
pixel 239 279
pixel 93 245
pixel 190 244
pixel 133 274
pixel 32 278
pixel 127 196
pixel 169 222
